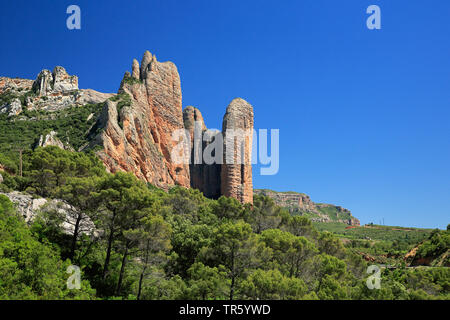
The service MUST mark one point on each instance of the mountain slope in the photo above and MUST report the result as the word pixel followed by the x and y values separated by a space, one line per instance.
pixel 301 204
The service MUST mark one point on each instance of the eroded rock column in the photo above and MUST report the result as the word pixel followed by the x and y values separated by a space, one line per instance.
pixel 236 173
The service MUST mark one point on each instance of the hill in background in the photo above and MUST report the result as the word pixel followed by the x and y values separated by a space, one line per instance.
pixel 301 204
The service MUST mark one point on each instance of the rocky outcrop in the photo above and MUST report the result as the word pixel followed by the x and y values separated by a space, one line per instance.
pixel 289 199
pixel 51 91
pixel 43 84
pixel 15 85
pixel 300 203
pixel 62 81
pixel 89 96
pixel 138 125
pixel 435 258
pixel 28 207
pixel 54 82
pixel 236 172
pixel 136 130
pixel 57 90
pixel 12 108
pixel 51 139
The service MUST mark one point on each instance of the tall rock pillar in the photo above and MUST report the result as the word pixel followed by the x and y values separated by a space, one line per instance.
pixel 236 172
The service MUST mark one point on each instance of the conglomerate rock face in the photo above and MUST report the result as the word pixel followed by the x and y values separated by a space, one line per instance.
pixel 236 174
pixel 137 129
pixel 137 134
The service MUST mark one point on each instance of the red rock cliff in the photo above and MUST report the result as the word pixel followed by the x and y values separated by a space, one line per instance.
pixel 135 133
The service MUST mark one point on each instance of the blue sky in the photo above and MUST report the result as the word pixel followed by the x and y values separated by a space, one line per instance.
pixel 363 114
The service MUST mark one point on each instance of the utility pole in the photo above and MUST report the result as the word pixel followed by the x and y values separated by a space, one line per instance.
pixel 20 150
pixel 20 163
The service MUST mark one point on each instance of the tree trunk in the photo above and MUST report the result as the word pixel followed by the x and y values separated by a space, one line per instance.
pixel 122 269
pixel 141 279
pixel 233 275
pixel 232 288
pixel 75 237
pixel 108 253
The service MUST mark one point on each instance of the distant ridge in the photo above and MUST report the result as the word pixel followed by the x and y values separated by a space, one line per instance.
pixel 301 204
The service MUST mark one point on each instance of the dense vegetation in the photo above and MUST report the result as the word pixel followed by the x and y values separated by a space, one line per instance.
pixel 72 126
pixel 152 244
pixel 381 244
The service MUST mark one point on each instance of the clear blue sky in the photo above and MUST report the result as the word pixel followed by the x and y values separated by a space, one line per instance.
pixel 363 115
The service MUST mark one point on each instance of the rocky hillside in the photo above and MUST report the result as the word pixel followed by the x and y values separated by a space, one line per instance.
pixel 30 207
pixel 301 204
pixel 130 131
pixel 50 91
pixel 433 251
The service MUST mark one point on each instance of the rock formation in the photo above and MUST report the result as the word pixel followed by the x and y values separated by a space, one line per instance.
pixel 138 125
pixel 51 139
pixel 236 173
pixel 300 203
pixel 28 207
pixel 136 130
pixel 62 81
pixel 51 91
pixel 12 108
pixel 56 81
pixel 14 84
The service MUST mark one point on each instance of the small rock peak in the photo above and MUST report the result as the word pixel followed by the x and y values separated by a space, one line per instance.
pixel 189 109
pixel 62 81
pixel 51 139
pixel 135 72
pixel 190 116
pixel 236 171
pixel 239 104
pixel 239 115
pixel 43 83
pixel 146 59
pixel 59 73
pixel 152 66
pixel 57 81
pixel 126 75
